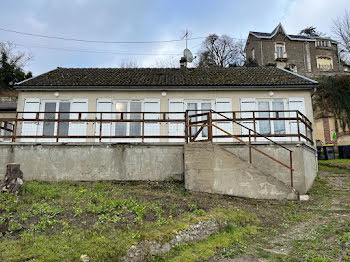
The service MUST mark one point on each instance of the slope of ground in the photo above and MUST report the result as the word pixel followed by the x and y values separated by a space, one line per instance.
pixel 62 221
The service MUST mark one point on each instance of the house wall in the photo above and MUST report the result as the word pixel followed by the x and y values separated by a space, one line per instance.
pixel 235 95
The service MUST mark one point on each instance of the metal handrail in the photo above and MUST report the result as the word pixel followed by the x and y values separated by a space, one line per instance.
pixel 208 123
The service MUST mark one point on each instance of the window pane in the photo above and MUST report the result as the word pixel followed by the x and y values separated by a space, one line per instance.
pixel 279 125
pixel 120 128
pixel 64 126
pixel 279 51
pixel 49 127
pixel 135 128
pixel 264 125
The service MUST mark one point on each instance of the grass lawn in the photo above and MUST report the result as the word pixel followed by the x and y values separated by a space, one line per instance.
pixel 62 221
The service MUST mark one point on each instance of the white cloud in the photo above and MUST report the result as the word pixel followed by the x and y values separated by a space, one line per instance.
pixel 318 13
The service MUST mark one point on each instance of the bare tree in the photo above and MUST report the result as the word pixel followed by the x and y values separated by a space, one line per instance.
pixel 341 28
pixel 310 31
pixel 18 58
pixel 221 51
pixel 167 62
pixel 128 63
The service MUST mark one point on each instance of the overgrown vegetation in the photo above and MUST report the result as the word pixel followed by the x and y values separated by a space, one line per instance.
pixel 62 221
pixel 332 98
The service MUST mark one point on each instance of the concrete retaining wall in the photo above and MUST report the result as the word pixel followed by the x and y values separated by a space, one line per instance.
pixel 89 162
pixel 213 169
pixel 304 162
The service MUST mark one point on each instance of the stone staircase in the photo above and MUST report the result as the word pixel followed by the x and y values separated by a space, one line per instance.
pixel 213 169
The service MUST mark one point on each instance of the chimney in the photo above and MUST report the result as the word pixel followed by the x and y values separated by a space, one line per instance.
pixel 183 62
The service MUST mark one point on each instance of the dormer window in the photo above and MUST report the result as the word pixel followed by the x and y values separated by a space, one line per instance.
pixel 280 51
pixel 323 43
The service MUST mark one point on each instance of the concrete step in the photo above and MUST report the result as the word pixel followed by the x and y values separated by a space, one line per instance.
pixel 213 169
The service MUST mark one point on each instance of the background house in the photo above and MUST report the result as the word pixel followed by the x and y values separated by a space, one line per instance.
pixel 306 55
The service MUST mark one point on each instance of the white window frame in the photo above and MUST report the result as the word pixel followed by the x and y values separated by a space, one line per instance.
pixel 271 114
pixel 284 53
pixel 42 115
pixel 324 57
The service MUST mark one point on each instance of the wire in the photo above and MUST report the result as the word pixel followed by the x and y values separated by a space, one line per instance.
pixel 98 41
pixel 95 51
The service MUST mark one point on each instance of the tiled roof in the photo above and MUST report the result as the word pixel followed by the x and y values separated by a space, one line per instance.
pixel 165 77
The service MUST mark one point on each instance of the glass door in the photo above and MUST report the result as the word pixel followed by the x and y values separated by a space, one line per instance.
pixel 198 107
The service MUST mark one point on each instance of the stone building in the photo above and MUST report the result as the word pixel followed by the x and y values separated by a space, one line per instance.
pixel 306 55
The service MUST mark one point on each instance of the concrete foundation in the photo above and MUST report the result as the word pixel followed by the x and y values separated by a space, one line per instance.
pixel 92 162
pixel 209 168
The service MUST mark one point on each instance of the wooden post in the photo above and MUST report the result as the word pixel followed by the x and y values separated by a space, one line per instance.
pixel 14 130
pixel 143 127
pixel 250 148
pixel 291 167
pixel 186 127
pixel 58 126
pixel 298 126
pixel 100 127
pixel 210 127
pixel 254 126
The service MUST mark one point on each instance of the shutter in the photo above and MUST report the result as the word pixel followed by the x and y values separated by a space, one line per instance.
pixel 30 128
pixel 176 129
pixel 247 104
pixel 78 128
pixel 296 103
pixel 152 129
pixel 104 105
pixel 223 105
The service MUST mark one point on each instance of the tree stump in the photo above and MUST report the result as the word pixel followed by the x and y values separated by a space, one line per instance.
pixel 13 179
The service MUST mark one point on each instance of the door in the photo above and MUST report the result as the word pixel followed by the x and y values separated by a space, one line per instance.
pixel 198 107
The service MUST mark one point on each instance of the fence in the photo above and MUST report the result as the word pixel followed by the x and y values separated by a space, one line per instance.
pixel 155 126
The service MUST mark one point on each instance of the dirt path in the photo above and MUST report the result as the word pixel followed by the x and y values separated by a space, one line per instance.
pixel 328 209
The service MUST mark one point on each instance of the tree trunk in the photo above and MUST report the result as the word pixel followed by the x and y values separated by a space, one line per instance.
pixel 13 179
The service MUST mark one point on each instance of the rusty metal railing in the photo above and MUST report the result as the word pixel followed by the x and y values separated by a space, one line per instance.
pixel 209 123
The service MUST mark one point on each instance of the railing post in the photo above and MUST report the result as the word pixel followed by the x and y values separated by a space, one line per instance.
pixel 297 115
pixel 14 130
pixel 250 148
pixel 186 127
pixel 210 127
pixel 254 126
pixel 291 168
pixel 190 128
pixel 143 127
pixel 100 127
pixel 58 126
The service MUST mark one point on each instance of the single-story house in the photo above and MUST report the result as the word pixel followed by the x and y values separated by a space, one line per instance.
pixel 258 122
pixel 137 90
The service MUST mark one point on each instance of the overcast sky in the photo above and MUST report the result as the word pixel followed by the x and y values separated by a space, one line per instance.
pixel 141 20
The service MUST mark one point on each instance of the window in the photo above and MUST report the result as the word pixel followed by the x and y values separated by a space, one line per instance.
pixel 50 108
pixel 202 107
pixel 280 51
pixel 322 43
pixel 253 54
pixel 324 63
pixel 271 126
